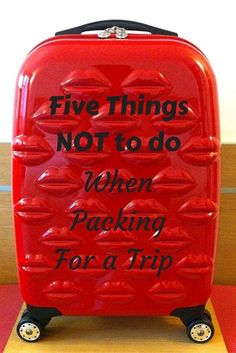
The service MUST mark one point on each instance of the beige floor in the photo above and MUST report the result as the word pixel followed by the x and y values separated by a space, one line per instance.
pixel 115 335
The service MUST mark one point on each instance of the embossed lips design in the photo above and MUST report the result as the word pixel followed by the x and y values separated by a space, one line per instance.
pixel 144 156
pixel 200 151
pixel 115 292
pixel 180 123
pixel 198 210
pixel 64 291
pixel 33 210
pixel 35 264
pixel 31 150
pixel 115 241
pixel 167 291
pixel 59 181
pixel 88 158
pixel 107 184
pixel 94 269
pixel 194 265
pixel 55 123
pixel 116 121
pixel 149 82
pixel 173 180
pixel 60 237
pixel 138 270
pixel 94 207
pixel 145 207
pixel 172 239
pixel 83 83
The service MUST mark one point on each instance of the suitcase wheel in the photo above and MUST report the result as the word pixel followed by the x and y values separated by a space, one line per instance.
pixel 29 330
pixel 33 321
pixel 201 331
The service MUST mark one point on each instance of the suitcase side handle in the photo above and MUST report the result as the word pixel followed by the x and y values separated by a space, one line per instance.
pixel 129 25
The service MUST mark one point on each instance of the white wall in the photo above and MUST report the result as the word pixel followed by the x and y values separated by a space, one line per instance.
pixel 211 25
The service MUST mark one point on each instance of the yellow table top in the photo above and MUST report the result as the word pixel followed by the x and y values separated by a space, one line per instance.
pixel 115 335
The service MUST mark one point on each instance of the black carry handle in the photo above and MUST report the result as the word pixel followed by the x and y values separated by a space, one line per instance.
pixel 129 25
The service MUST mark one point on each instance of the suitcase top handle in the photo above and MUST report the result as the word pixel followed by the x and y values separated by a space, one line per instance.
pixel 129 25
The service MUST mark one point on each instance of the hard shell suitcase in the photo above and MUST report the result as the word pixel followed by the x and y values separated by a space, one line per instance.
pixel 116 177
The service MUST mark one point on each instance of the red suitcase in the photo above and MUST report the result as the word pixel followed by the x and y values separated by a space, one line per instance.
pixel 116 177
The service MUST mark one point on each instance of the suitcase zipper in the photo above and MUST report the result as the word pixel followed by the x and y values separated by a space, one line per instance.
pixel 118 31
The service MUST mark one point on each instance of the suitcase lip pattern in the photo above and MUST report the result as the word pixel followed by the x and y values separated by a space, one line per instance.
pixel 33 150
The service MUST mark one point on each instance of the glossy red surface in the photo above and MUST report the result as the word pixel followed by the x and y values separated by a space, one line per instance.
pixel 48 185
